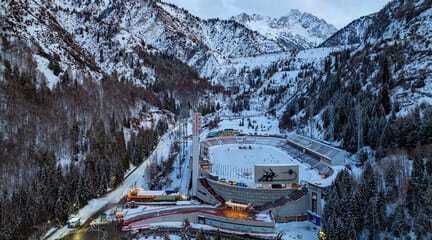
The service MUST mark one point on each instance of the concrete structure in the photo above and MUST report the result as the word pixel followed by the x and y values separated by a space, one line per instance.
pixel 326 153
pixel 249 226
pixel 196 128
pixel 285 204
pixel 205 214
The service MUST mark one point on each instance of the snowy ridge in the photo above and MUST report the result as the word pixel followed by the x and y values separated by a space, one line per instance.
pixel 31 23
pixel 151 25
pixel 353 33
pixel 398 19
pixel 295 30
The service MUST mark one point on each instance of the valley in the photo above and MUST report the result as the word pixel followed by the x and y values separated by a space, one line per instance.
pixel 102 99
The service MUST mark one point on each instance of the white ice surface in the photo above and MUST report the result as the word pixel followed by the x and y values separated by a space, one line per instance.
pixel 233 163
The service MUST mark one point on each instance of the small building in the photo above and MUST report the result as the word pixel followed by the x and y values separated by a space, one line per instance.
pixel 141 195
pixel 74 222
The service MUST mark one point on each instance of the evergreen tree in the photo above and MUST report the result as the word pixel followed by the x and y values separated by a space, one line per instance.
pixel 200 235
pixel 218 235
pixel 381 211
pixel 166 237
pixel 385 99
pixel 372 219
pixel 61 206
pixel 398 223
pixel 390 182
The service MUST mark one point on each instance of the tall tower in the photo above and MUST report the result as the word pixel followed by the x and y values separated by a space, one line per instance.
pixel 196 128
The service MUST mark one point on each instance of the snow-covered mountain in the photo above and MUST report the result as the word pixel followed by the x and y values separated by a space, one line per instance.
pixel 32 26
pixel 399 19
pixel 108 36
pixel 135 26
pixel 382 67
pixel 297 29
pixel 110 64
pixel 353 33
pixel 119 35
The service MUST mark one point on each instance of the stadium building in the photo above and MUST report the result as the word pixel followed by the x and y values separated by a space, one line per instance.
pixel 277 175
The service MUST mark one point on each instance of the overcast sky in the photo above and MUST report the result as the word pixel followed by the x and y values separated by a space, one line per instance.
pixel 337 12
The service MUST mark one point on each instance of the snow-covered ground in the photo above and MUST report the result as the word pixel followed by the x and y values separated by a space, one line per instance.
pixel 292 231
pixel 42 66
pixel 136 179
pixel 181 174
pixel 171 237
pixel 261 124
pixel 325 182
pixel 298 230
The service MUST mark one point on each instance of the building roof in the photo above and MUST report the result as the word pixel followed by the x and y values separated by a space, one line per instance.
pixel 151 192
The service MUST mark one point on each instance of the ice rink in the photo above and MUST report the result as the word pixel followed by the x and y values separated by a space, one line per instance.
pixel 236 161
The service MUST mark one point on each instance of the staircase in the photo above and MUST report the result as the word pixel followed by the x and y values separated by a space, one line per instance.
pixel 294 196
pixel 209 189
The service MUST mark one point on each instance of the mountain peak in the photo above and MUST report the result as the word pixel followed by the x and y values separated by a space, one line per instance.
pixel 296 29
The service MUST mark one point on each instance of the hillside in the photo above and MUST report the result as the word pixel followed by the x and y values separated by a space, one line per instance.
pixel 379 81
pixel 375 95
pixel 118 29
pixel 353 33
pixel 71 129
pixel 88 88
pixel 385 24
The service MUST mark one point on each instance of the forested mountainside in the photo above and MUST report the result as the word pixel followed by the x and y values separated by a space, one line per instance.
pixel 377 94
pixel 65 145
pixel 113 30
pixel 353 33
pixel 87 88
pixel 70 129
pixel 298 30
pixel 384 24
pixel 373 93
pixel 388 201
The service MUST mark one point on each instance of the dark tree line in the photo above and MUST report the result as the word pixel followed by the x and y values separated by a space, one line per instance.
pixel 208 107
pixel 240 104
pixel 359 96
pixel 62 146
pixel 355 110
pixel 384 203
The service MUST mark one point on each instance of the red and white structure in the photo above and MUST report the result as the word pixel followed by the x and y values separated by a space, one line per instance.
pixel 196 125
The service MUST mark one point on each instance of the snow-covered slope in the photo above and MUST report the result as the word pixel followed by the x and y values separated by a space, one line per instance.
pixel 123 30
pixel 384 67
pixel 387 75
pixel 30 24
pixel 398 19
pixel 297 29
pixel 353 33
